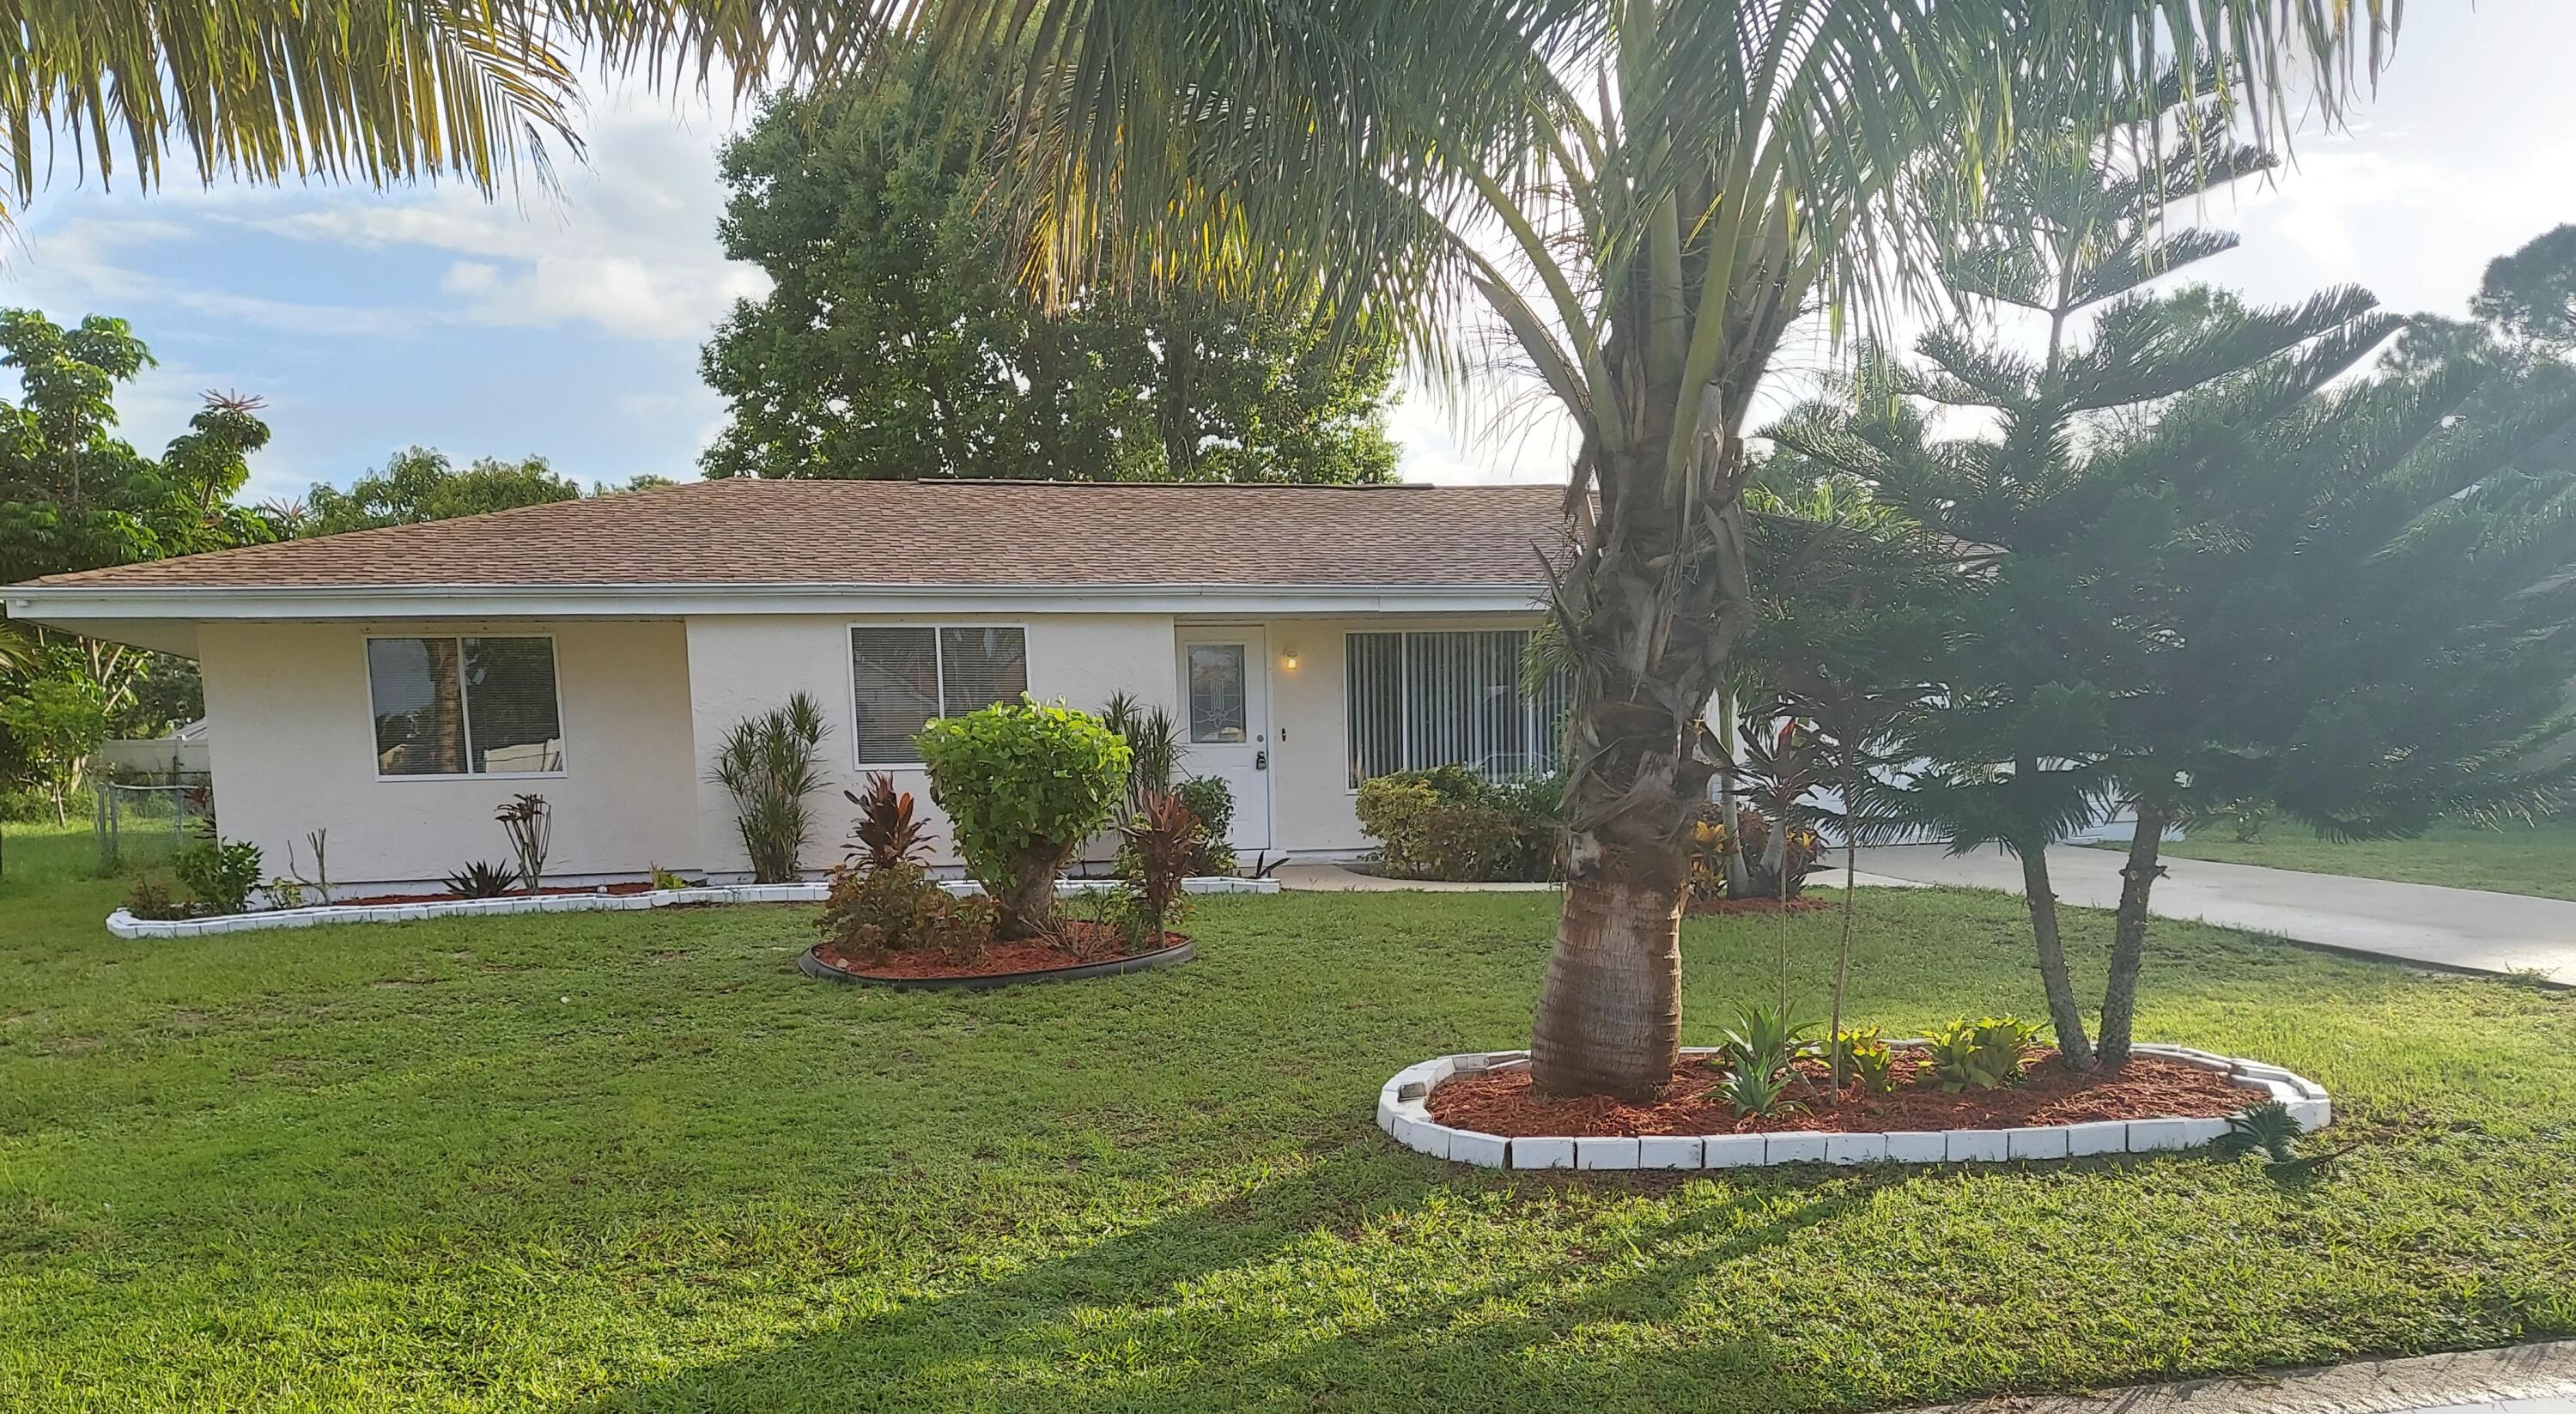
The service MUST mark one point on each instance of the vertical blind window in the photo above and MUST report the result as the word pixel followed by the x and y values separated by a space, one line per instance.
pixel 906 676
pixel 465 706
pixel 1419 700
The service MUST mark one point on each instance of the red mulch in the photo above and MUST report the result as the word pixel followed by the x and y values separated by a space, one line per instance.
pixel 1706 907
pixel 1034 955
pixel 1501 1102
pixel 377 900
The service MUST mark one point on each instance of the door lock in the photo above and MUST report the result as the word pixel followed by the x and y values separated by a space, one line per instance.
pixel 1261 760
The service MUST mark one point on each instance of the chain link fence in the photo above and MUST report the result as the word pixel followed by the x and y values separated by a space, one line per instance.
pixel 145 824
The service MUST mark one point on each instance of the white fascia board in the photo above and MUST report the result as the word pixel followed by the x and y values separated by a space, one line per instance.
pixel 48 604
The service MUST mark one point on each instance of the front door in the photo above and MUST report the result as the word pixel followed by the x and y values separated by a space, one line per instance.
pixel 1225 706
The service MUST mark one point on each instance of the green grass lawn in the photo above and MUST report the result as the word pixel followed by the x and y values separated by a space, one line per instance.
pixel 634 1162
pixel 2519 859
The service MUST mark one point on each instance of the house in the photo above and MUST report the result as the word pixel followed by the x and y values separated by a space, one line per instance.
pixel 396 686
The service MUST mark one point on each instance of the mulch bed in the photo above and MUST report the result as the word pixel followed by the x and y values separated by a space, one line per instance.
pixel 1033 955
pixel 1707 907
pixel 379 900
pixel 1502 1102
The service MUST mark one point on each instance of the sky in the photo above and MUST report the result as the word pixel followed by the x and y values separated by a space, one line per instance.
pixel 568 324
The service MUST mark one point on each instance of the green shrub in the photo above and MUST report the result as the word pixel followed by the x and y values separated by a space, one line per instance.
pixel 1212 801
pixel 1023 784
pixel 219 874
pixel 877 909
pixel 1450 823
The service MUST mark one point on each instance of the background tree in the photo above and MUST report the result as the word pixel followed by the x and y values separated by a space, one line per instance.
pixel 2072 227
pixel 1645 196
pixel 2531 293
pixel 419 484
pixel 55 720
pixel 896 340
pixel 73 496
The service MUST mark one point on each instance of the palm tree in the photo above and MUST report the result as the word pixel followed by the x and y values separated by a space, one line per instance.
pixel 335 90
pixel 1644 195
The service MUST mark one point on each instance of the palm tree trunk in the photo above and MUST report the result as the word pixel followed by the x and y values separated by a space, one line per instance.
pixel 2129 931
pixel 2063 1013
pixel 1649 653
pixel 1610 1015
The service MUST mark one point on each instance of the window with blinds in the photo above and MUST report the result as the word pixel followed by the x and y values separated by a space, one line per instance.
pixel 1418 700
pixel 905 676
pixel 465 706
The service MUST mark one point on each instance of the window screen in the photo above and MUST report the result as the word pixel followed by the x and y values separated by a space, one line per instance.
pixel 906 676
pixel 460 706
pixel 1418 700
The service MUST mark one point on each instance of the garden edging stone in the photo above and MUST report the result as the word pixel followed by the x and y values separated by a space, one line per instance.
pixel 123 924
pixel 1403 1111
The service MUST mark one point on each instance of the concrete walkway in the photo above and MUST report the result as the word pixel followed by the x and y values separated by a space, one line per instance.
pixel 2468 929
pixel 2522 1379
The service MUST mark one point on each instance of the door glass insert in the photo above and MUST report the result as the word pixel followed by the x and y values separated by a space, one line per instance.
pixel 1216 692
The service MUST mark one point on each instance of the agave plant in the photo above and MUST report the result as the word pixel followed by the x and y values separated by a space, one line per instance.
pixel 481 879
pixel 1765 1039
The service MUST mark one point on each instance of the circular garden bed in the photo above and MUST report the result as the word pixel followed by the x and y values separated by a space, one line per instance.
pixel 1479 1108
pixel 1001 965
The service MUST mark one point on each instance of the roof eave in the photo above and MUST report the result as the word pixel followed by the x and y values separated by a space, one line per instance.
pixel 50 603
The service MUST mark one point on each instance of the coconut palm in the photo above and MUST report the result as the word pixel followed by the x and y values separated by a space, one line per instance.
pixel 1643 196
pixel 335 90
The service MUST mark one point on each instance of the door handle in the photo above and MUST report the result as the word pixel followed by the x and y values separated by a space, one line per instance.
pixel 1261 760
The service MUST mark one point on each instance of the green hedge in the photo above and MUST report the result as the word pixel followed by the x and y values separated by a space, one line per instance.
pixel 1450 823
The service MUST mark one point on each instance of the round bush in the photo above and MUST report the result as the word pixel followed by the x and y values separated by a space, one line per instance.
pixel 1023 784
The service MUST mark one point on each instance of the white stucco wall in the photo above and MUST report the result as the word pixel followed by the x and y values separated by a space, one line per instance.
pixel 1310 780
pixel 743 665
pixel 646 705
pixel 294 750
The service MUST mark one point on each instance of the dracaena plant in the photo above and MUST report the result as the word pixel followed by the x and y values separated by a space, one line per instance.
pixel 887 831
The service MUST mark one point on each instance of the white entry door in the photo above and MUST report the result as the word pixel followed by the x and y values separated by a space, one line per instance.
pixel 1225 723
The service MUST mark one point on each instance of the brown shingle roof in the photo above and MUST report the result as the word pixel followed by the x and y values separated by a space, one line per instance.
pixel 924 532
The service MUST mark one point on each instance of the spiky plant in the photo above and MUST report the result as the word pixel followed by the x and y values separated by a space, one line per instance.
pixel 771 764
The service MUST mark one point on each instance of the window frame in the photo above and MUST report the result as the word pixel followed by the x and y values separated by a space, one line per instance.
pixel 465 708
pixel 939 666
pixel 1405 700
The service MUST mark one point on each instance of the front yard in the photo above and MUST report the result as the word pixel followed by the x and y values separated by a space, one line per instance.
pixel 633 1161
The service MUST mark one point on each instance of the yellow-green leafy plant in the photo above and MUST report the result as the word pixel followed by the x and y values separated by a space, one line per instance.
pixel 1024 783
pixel 1982 1054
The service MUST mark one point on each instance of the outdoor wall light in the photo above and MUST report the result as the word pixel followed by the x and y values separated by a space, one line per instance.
pixel 1289 660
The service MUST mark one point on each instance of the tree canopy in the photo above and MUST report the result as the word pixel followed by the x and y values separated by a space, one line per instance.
pixel 897 340
pixel 420 484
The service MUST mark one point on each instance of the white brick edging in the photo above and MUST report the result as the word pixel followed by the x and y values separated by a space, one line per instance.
pixel 1403 1111
pixel 125 925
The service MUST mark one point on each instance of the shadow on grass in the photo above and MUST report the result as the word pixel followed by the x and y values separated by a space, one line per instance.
pixel 1241 1304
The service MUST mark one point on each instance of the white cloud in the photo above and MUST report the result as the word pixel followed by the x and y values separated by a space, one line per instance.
pixel 627 246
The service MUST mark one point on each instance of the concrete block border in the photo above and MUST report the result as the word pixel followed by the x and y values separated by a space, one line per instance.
pixel 1403 1111
pixel 125 925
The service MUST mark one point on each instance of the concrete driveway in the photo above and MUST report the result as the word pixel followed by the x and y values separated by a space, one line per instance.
pixel 2467 929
